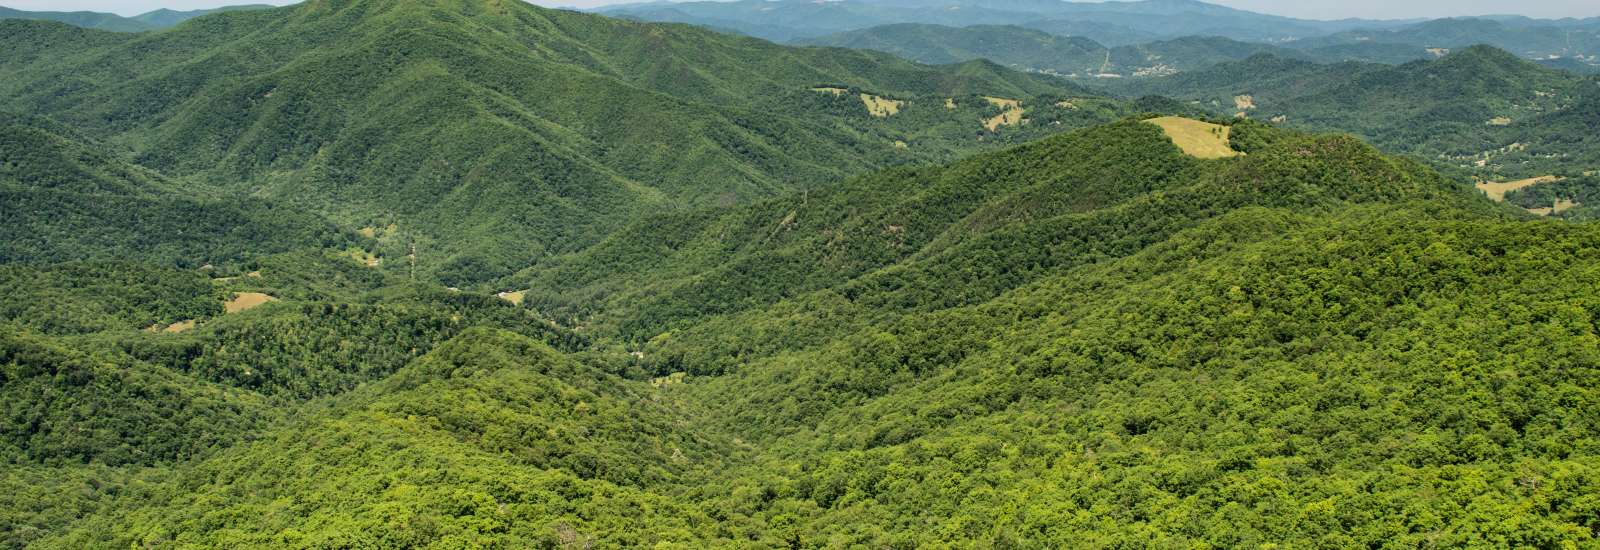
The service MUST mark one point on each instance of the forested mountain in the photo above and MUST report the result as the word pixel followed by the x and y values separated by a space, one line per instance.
pixel 1035 50
pixel 1576 40
pixel 784 20
pixel 158 19
pixel 1478 109
pixel 164 18
pixel 65 200
pixel 84 19
pixel 487 129
pixel 1093 337
pixel 478 274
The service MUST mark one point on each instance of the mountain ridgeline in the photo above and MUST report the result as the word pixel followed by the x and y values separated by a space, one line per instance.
pixel 479 274
pixel 1092 325
pixel 489 129
pixel 1080 57
pixel 149 21
pixel 785 20
pixel 1478 110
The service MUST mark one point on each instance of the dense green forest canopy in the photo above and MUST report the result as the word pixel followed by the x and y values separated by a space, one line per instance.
pixel 487 130
pixel 153 20
pixel 1092 337
pixel 1076 56
pixel 786 20
pixel 1479 110
pixel 475 274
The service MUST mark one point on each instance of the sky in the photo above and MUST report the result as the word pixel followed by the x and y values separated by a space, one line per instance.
pixel 1312 9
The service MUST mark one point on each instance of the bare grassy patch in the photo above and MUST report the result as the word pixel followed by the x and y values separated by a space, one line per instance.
pixel 1011 114
pixel 514 297
pixel 881 107
pixel 1496 190
pixel 1197 139
pixel 245 301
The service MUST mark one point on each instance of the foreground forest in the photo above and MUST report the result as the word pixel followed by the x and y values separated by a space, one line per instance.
pixel 1074 332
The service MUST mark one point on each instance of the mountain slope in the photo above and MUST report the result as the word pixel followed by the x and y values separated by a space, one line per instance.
pixel 84 19
pixel 69 201
pixel 1011 46
pixel 1527 38
pixel 487 127
pixel 158 19
pixel 785 20
pixel 1034 50
pixel 953 234
pixel 163 18
pixel 1468 106
pixel 1090 338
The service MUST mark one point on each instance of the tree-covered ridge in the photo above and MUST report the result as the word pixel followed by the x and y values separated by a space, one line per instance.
pixel 1575 40
pixel 1208 392
pixel 818 323
pixel 489 129
pixel 958 233
pixel 153 20
pixel 87 297
pixel 67 200
pixel 787 20
pixel 1478 110
pixel 1080 57
pixel 1313 344
pixel 491 439
pixel 82 19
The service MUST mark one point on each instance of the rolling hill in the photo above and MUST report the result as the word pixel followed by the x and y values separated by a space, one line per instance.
pixel 1035 50
pixel 1094 325
pixel 486 128
pixel 158 19
pixel 66 200
pixel 477 274
pixel 84 19
pixel 785 20
pixel 1575 40
pixel 1469 106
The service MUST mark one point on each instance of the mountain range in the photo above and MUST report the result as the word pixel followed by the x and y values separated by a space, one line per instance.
pixel 915 29
pixel 158 19
pixel 376 112
pixel 1479 110
pixel 784 20
pixel 1078 57
pixel 479 274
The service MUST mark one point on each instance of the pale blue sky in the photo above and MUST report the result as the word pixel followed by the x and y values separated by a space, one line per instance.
pixel 1316 9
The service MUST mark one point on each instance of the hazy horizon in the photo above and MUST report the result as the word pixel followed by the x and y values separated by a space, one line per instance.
pixel 1313 9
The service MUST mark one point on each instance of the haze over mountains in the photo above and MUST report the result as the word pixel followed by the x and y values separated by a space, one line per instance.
pixel 477 274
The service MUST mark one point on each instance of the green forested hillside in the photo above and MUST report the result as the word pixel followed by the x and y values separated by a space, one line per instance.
pixel 787 20
pixel 158 19
pixel 84 19
pixel 1074 56
pixel 1479 109
pixel 476 274
pixel 1091 338
pixel 67 200
pixel 489 129
pixel 1576 40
